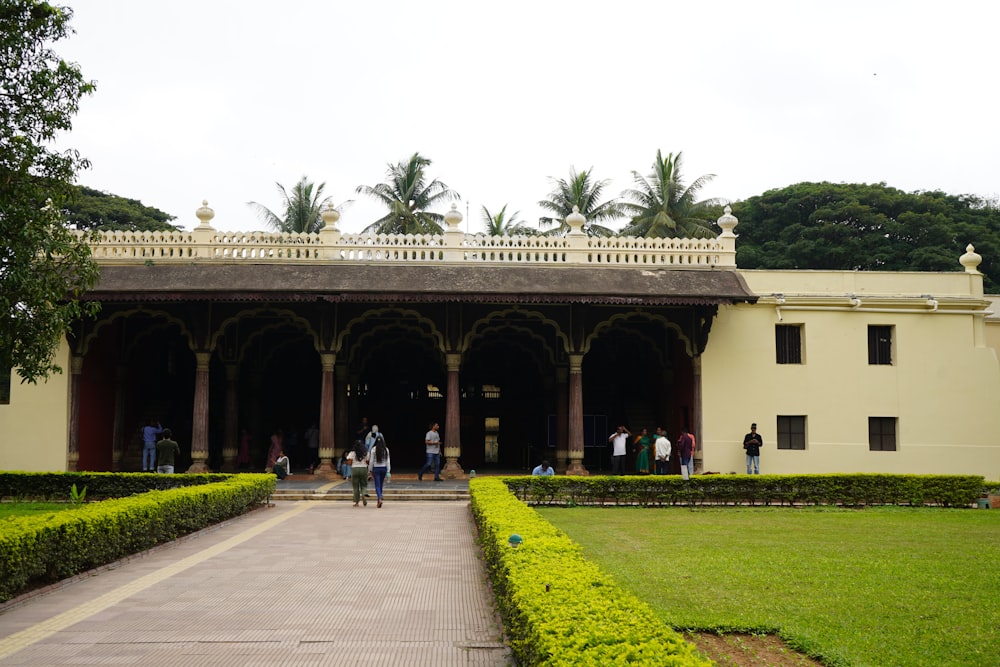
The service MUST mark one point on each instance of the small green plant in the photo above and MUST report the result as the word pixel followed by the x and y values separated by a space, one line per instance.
pixel 77 497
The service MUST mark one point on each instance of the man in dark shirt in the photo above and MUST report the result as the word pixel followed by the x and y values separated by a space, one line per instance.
pixel 167 450
pixel 752 443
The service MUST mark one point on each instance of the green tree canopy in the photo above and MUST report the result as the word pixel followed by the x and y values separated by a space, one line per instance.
pixel 409 196
pixel 302 208
pixel 93 209
pixel 582 191
pixel 866 227
pixel 500 224
pixel 662 206
pixel 43 264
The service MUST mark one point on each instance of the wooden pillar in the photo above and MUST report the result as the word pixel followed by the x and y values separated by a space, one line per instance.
pixel 452 421
pixel 199 417
pixel 341 415
pixel 327 440
pixel 73 442
pixel 118 426
pixel 231 436
pixel 562 420
pixel 696 425
pixel 575 421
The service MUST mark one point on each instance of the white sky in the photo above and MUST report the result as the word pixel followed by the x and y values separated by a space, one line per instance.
pixel 219 100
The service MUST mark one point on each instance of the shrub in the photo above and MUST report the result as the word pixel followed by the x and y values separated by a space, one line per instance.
pixel 854 490
pixel 40 549
pixel 559 608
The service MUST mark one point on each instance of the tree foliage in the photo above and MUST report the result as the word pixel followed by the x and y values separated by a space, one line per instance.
pixel 409 196
pixel 868 227
pixel 584 192
pixel 43 264
pixel 662 206
pixel 500 224
pixel 93 209
pixel 302 208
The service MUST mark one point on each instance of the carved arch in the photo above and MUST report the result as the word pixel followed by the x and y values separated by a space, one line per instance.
pixel 638 315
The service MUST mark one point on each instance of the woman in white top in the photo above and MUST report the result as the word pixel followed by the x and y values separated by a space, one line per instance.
pixel 378 464
pixel 358 458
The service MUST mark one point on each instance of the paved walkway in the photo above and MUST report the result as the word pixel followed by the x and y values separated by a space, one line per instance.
pixel 300 583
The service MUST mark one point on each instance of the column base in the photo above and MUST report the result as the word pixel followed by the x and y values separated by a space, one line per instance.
pixel 576 468
pixel 198 467
pixel 325 467
pixel 452 470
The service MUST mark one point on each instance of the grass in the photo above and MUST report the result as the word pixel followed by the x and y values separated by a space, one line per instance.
pixel 880 586
pixel 10 510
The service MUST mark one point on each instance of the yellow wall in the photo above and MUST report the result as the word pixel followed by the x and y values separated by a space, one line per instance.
pixel 943 385
pixel 33 427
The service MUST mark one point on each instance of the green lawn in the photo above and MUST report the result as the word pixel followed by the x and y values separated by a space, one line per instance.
pixel 881 586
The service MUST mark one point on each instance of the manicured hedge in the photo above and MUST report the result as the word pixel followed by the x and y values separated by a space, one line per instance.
pixel 36 550
pixel 99 485
pixel 559 608
pixel 840 489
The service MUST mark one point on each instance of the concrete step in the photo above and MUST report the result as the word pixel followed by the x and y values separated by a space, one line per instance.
pixel 345 494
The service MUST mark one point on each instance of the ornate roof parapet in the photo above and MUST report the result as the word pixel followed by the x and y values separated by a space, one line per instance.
pixel 330 245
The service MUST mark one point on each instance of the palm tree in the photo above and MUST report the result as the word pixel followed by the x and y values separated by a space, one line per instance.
pixel 408 196
pixel 501 225
pixel 302 208
pixel 585 194
pixel 661 206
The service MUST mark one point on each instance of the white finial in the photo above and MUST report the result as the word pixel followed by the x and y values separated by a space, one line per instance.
pixel 970 260
pixel 453 218
pixel 576 220
pixel 330 216
pixel 727 222
pixel 205 214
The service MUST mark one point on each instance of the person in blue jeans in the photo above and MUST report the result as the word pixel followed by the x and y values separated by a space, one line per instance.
pixel 752 442
pixel 378 465
pixel 149 437
pixel 432 442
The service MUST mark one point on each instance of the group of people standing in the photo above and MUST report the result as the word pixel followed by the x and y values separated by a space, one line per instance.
pixel 159 449
pixel 686 445
pixel 661 448
pixel 368 458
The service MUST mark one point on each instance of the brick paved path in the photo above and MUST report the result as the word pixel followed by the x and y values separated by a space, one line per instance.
pixel 302 583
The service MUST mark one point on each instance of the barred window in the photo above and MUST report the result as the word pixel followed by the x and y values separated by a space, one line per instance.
pixel 882 434
pixel 788 343
pixel 791 432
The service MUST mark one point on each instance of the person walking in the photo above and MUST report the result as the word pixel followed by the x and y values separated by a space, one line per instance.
pixel 149 433
pixel 432 444
pixel 752 442
pixel 619 441
pixel 685 445
pixel 661 450
pixel 167 450
pixel 358 458
pixel 378 465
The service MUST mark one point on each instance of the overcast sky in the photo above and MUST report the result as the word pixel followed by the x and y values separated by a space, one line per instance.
pixel 205 99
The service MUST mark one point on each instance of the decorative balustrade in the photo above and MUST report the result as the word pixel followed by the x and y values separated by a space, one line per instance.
pixel 205 244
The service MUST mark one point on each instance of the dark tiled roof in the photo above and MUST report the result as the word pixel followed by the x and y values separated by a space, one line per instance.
pixel 421 283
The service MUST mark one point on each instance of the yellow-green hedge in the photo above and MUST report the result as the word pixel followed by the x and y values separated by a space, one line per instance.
pixel 851 489
pixel 40 549
pixel 558 607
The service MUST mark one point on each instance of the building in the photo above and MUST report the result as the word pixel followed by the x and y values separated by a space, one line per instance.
pixel 522 348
